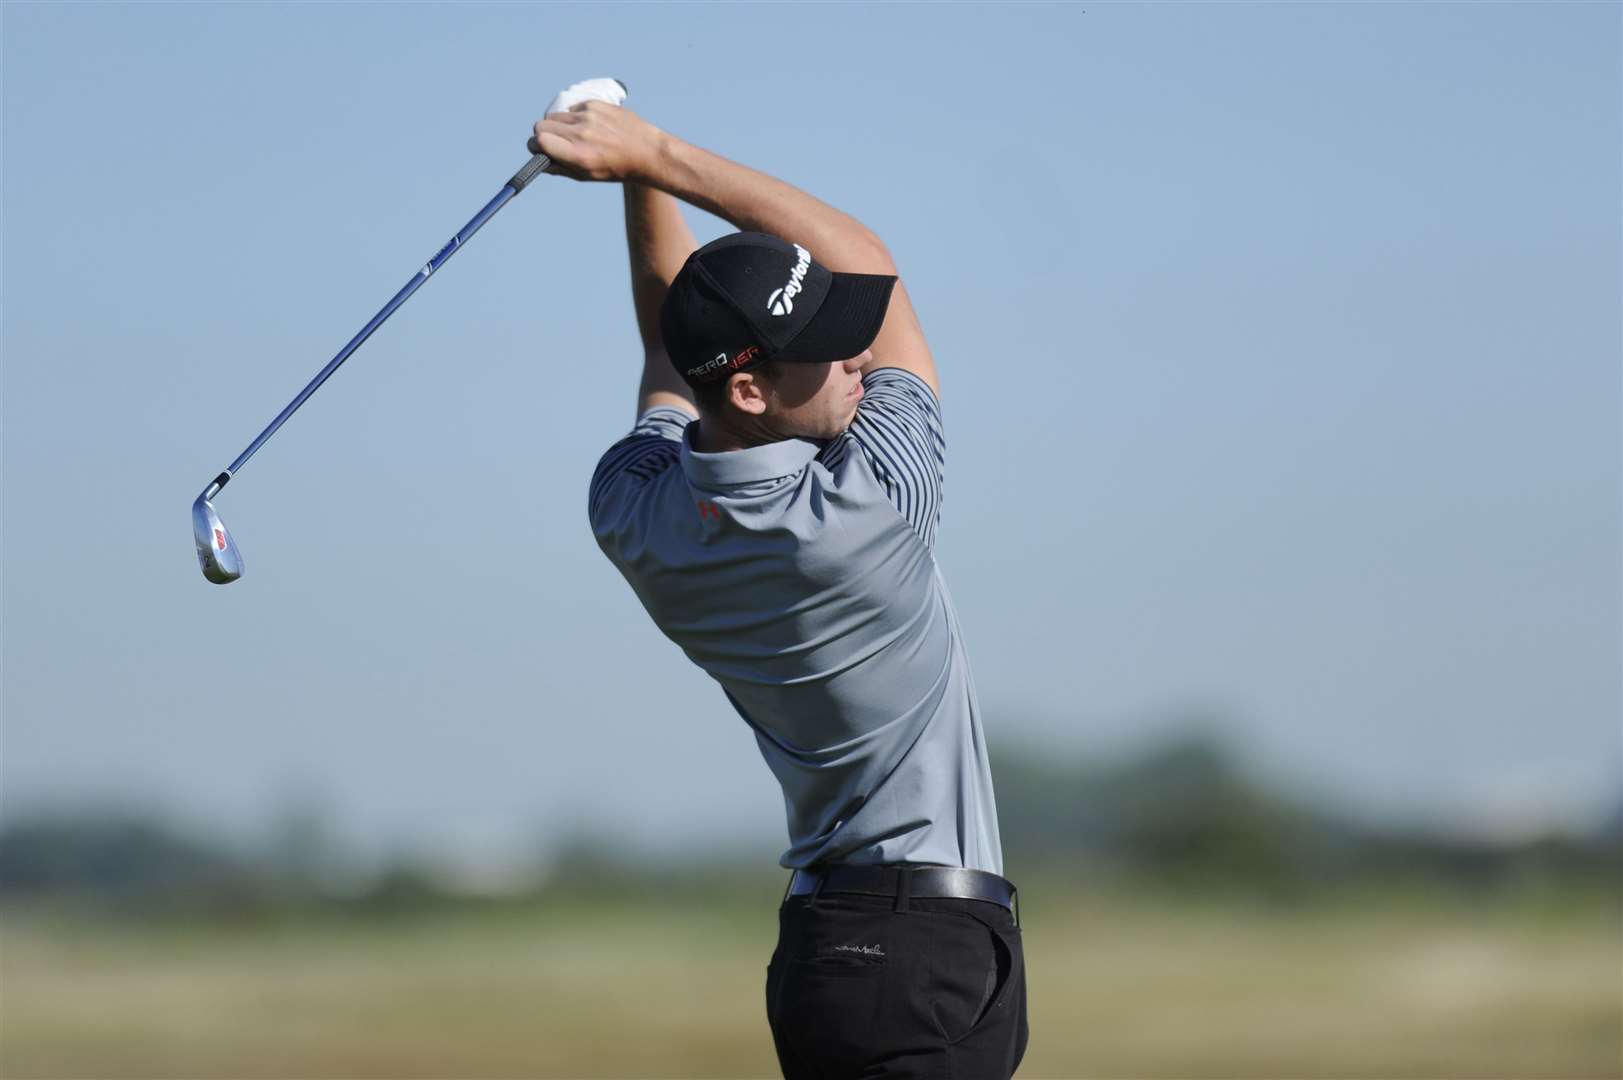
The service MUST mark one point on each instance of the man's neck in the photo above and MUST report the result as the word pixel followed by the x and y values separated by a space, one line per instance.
pixel 711 436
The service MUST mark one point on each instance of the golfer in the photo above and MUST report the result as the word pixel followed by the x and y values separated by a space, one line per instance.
pixel 775 508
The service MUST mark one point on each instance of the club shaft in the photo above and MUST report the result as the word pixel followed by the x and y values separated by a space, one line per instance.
pixel 512 188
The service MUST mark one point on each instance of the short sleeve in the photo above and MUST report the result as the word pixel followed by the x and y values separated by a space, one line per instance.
pixel 898 430
pixel 654 445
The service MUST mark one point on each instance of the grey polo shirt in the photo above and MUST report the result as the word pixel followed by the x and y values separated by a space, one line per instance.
pixel 800 576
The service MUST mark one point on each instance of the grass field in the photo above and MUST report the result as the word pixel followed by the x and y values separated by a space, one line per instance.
pixel 1120 987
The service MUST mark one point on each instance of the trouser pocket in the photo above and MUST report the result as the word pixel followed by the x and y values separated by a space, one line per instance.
pixel 970 966
pixel 830 988
pixel 995 1040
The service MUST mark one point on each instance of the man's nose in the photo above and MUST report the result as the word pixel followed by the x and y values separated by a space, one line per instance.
pixel 854 364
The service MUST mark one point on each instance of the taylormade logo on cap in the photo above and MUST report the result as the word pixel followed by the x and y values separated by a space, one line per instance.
pixel 782 301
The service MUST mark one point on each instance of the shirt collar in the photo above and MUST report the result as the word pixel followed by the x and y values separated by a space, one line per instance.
pixel 751 465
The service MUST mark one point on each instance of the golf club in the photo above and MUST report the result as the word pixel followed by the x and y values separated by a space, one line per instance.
pixel 216 550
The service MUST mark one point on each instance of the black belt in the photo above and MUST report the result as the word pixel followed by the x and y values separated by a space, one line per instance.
pixel 903 882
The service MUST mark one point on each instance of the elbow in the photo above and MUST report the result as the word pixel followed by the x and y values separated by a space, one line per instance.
pixel 872 254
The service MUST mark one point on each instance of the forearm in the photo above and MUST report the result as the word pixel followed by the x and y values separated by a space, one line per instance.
pixel 754 201
pixel 658 242
pixel 595 141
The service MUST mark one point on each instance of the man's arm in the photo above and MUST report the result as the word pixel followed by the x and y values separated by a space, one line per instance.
pixel 658 242
pixel 596 141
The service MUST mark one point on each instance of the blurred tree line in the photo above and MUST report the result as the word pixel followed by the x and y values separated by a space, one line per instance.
pixel 1181 817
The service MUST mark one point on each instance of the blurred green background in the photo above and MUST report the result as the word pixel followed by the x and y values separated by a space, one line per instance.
pixel 1181 920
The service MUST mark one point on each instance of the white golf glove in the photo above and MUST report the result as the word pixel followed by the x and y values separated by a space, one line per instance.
pixel 612 91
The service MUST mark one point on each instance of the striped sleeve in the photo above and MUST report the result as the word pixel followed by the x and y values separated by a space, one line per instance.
pixel 898 430
pixel 654 445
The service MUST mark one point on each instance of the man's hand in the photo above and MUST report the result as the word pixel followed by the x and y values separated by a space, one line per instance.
pixel 597 141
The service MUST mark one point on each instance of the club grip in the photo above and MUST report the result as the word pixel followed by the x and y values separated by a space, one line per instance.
pixel 529 172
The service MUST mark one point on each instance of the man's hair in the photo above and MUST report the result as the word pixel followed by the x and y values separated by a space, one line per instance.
pixel 712 396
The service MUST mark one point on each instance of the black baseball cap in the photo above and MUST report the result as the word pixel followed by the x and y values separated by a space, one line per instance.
pixel 750 297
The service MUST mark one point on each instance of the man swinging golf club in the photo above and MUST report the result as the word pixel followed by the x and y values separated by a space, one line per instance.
pixel 774 508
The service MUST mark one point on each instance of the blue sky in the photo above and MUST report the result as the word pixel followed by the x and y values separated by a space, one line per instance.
pixel 1280 352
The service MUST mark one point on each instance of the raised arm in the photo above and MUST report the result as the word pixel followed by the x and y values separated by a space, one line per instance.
pixel 596 141
pixel 658 242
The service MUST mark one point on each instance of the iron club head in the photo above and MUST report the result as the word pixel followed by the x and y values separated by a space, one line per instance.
pixel 216 551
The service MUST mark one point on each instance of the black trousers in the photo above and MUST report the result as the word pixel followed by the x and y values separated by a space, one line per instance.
pixel 859 989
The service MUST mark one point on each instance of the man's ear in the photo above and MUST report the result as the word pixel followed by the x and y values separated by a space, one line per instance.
pixel 746 393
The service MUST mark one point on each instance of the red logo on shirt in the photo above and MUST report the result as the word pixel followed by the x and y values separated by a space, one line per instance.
pixel 709 510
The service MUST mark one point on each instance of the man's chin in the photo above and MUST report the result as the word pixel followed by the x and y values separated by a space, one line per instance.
pixel 833 428
pixel 842 425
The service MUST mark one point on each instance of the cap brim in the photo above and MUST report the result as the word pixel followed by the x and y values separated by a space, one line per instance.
pixel 849 320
